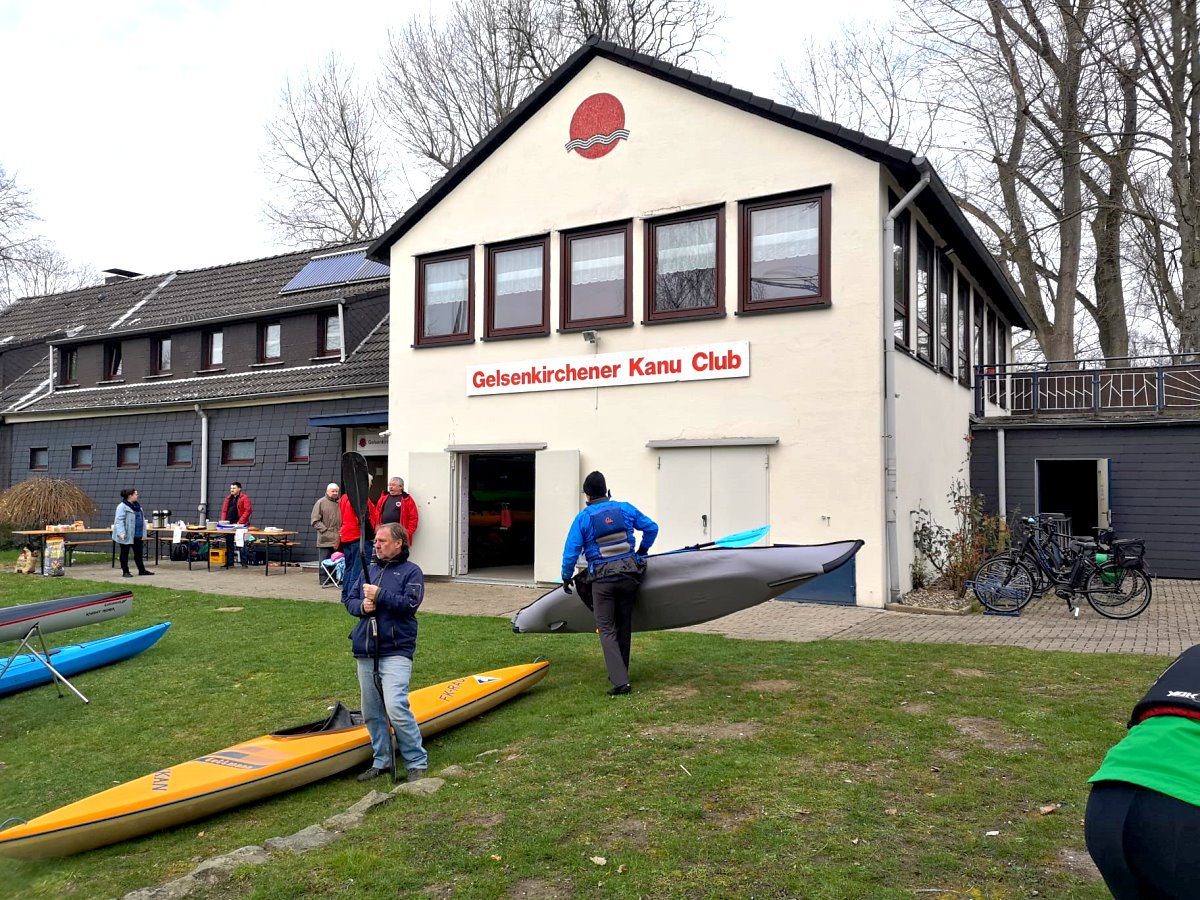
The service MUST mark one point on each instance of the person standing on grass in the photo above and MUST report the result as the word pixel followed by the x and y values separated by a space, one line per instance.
pixel 327 520
pixel 603 532
pixel 391 597
pixel 235 510
pixel 397 506
pixel 129 530
pixel 1143 813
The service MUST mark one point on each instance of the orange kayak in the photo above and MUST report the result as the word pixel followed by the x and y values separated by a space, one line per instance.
pixel 250 771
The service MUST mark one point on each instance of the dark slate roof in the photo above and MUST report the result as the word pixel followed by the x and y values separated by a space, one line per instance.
pixel 190 297
pixel 365 367
pixel 906 166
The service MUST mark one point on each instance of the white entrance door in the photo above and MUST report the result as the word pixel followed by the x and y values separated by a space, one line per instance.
pixel 556 500
pixel 431 482
pixel 706 493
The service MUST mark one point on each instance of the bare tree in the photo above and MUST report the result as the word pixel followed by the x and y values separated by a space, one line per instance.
pixel 16 215
pixel 41 269
pixel 326 155
pixel 449 81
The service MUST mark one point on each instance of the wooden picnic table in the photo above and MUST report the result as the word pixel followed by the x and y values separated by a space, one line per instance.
pixel 72 538
pixel 262 538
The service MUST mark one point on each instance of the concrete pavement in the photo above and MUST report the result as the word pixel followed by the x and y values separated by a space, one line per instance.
pixel 1169 626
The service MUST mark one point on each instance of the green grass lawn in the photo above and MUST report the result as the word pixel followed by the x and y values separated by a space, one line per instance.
pixel 736 769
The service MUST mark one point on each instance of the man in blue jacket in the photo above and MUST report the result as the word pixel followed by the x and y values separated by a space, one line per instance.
pixel 384 641
pixel 603 532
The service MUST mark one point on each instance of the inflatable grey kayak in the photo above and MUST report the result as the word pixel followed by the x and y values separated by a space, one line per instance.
pixel 59 615
pixel 688 587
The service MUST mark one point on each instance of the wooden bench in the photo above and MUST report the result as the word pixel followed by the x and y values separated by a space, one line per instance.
pixel 70 546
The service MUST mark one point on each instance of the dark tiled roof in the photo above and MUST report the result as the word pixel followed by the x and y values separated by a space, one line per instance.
pixel 150 302
pixel 906 166
pixel 365 367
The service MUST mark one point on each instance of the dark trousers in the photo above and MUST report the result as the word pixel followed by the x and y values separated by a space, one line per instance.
pixel 612 608
pixel 137 555
pixel 1146 844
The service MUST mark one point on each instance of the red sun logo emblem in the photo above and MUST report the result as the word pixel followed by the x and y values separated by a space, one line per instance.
pixel 598 123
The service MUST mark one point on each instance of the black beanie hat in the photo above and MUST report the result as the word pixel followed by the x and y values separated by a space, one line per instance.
pixel 594 485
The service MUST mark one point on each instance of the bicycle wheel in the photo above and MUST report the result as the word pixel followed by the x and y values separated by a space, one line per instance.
pixel 1003 584
pixel 1118 593
pixel 1041 583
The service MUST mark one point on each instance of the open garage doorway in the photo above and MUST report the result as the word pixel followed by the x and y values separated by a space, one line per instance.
pixel 1077 488
pixel 497 492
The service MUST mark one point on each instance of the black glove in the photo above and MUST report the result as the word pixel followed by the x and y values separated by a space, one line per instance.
pixel 567 586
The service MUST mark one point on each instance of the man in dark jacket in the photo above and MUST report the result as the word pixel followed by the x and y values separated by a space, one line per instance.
pixel 603 533
pixel 384 641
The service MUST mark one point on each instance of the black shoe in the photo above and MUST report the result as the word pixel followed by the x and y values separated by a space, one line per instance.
pixel 619 689
pixel 416 774
pixel 126 574
pixel 372 773
pixel 147 572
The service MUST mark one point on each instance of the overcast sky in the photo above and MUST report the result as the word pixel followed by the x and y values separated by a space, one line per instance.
pixel 137 125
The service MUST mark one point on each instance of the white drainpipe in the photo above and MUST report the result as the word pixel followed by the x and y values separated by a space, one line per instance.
pixel 892 549
pixel 202 508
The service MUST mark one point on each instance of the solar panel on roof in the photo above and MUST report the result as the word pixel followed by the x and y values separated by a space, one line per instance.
pixel 336 268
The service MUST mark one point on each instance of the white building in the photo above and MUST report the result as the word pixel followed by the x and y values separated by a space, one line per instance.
pixel 653 274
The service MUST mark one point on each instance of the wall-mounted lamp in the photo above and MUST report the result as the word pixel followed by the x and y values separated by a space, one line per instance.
pixel 385 433
pixel 591 337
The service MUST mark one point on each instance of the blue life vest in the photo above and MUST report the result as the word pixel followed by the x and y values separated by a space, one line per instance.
pixel 613 535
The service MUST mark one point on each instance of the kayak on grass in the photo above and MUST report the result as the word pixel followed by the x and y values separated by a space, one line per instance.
pixel 26 671
pixel 251 770
pixel 687 587
pixel 59 615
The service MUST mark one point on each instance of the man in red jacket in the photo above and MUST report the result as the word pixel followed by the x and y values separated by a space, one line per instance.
pixel 235 511
pixel 397 506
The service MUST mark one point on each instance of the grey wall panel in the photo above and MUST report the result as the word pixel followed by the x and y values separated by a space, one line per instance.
pixel 983 468
pixel 1154 487
pixel 282 492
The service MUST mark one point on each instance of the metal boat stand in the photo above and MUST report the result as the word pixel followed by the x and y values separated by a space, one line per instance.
pixel 44 659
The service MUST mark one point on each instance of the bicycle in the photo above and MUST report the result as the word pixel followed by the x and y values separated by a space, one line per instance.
pixel 1111 572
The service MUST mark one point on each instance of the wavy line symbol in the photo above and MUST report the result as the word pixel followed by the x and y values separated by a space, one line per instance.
pixel 619 135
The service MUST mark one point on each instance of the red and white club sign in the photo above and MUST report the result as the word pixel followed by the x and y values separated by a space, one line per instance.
pixel 598 123
pixel 699 363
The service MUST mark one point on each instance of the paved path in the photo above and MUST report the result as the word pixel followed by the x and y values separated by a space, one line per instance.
pixel 1168 627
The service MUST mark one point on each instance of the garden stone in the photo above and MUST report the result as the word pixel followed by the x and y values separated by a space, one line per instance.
pixel 306 839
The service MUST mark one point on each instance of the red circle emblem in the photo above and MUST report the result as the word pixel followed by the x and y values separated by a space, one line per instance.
pixel 598 123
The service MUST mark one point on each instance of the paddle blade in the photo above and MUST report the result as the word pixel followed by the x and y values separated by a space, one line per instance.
pixel 743 538
pixel 356 482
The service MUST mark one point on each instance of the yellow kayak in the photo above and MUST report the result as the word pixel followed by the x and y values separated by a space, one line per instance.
pixel 250 771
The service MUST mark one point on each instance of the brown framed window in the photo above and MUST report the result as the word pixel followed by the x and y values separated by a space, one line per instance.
pixel 900 254
pixel 39 458
pixel 517 294
pixel 925 297
pixel 331 334
pixel 68 365
pixel 945 321
pixel 161 359
pixel 596 277
pixel 212 351
pixel 179 454
pixel 784 253
pixel 114 366
pixel 298 448
pixel 269 349
pixel 129 456
pixel 980 359
pixel 237 452
pixel 685 266
pixel 445 288
pixel 964 330
pixel 1001 362
pixel 81 456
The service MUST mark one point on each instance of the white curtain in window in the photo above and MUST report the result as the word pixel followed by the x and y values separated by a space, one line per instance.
pixel 333 333
pixel 446 282
pixel 519 271
pixel 686 246
pixel 598 259
pixel 785 232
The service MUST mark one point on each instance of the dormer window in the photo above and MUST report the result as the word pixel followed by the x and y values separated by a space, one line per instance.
pixel 160 362
pixel 113 364
pixel 331 335
pixel 213 351
pixel 268 342
pixel 68 365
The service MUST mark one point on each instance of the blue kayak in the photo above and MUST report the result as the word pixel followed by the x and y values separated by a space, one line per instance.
pixel 26 672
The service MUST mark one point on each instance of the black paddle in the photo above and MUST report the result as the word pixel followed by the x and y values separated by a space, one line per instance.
pixel 354 475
